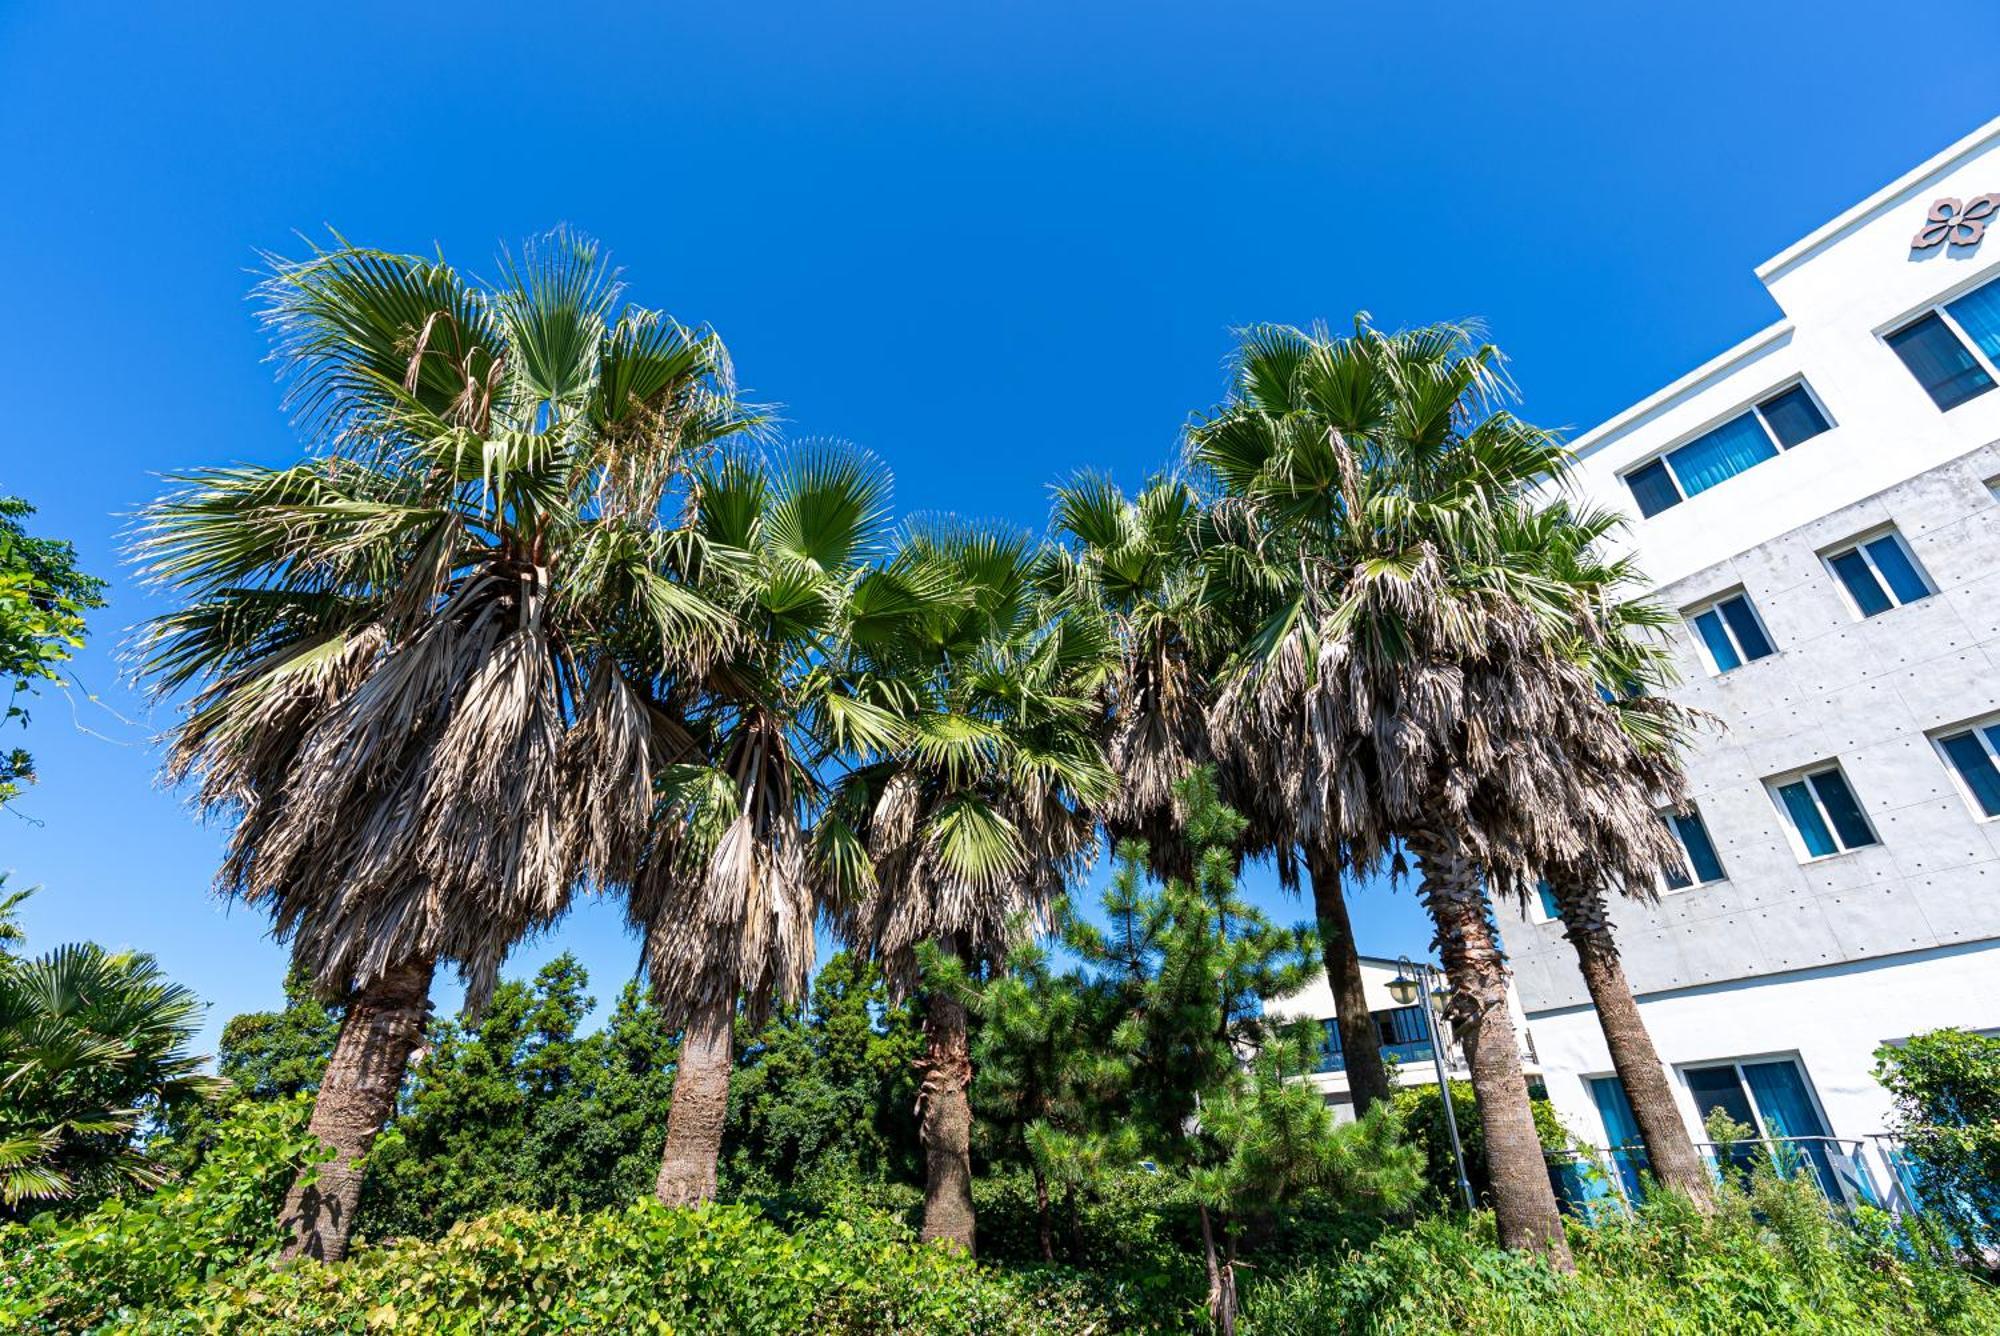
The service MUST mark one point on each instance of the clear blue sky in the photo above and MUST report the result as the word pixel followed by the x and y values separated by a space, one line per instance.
pixel 994 243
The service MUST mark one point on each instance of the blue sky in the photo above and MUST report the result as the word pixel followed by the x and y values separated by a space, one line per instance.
pixel 993 243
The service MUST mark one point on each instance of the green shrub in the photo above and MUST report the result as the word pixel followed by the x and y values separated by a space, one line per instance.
pixel 1773 1258
pixel 68 1274
pixel 1947 1090
pixel 1421 1111
pixel 647 1268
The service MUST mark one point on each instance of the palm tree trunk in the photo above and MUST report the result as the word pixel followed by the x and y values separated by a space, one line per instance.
pixel 1367 1076
pixel 382 1028
pixel 1524 1200
pixel 700 1103
pixel 1670 1152
pixel 947 1122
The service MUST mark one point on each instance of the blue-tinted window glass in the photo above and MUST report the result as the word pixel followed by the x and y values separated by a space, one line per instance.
pixel 1723 453
pixel 1749 635
pixel 1975 767
pixel 1842 809
pixel 1978 314
pixel 1804 813
pixel 1717 640
pixel 1942 365
pixel 1621 1131
pixel 1862 586
pixel 1676 875
pixel 1700 849
pixel 1548 895
pixel 1788 1111
pixel 1898 569
pixel 1653 488
pixel 1793 416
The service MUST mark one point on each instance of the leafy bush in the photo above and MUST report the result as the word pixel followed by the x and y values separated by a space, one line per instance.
pixel 1947 1090
pixel 720 1269
pixel 1774 1258
pixel 163 1248
pixel 1421 1111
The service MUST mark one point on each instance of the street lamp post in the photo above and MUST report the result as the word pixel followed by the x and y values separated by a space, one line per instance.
pixel 1411 983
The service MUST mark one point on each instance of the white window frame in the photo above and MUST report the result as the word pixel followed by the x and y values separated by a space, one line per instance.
pixel 1936 307
pixel 1764 1132
pixel 1859 545
pixel 1976 727
pixel 1694 610
pixel 1695 882
pixel 1755 409
pixel 1805 773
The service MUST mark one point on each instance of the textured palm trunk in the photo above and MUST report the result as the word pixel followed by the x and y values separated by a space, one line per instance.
pixel 1524 1200
pixel 382 1028
pixel 1367 1076
pixel 700 1104
pixel 947 1123
pixel 1670 1152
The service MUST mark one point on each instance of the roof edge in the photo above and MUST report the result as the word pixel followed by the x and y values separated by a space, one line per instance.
pixel 1936 166
pixel 1713 369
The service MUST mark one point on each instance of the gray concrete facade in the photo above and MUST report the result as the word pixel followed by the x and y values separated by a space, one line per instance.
pixel 1868 693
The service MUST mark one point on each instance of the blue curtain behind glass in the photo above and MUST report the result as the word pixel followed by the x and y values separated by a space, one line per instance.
pixel 1842 809
pixel 1976 768
pixel 1898 569
pixel 1700 849
pixel 1722 454
pixel 1805 815
pixel 1621 1131
pixel 1788 1111
pixel 1978 314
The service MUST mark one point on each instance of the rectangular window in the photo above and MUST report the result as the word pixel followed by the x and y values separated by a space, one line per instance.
pixel 1778 423
pixel 1940 360
pixel 1974 756
pixel 1547 895
pixel 1879 574
pixel 1823 813
pixel 1729 630
pixel 1701 865
pixel 1772 1098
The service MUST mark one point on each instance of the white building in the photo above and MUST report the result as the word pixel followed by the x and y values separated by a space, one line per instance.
pixel 1401 1026
pixel 1822 505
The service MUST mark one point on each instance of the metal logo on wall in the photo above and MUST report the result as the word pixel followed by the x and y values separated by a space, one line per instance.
pixel 1962 223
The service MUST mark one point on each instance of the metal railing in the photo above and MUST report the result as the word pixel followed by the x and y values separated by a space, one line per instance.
pixel 1590 1180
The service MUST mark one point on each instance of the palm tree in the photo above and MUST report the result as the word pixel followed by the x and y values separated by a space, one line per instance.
pixel 92 1043
pixel 1179 605
pixel 975 823
pixel 416 664
pixel 1416 686
pixel 1633 663
pixel 726 900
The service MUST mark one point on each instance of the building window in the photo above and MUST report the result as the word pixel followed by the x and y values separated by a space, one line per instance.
pixel 1878 574
pixel 1773 1099
pixel 1780 422
pixel 1729 632
pixel 1401 1033
pixel 1823 814
pixel 1700 865
pixel 1952 349
pixel 1545 895
pixel 1973 755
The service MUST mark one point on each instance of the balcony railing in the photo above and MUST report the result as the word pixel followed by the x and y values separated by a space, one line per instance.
pixel 1588 1182
pixel 1332 1060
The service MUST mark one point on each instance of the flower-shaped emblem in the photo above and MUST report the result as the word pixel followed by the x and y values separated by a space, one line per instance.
pixel 1960 223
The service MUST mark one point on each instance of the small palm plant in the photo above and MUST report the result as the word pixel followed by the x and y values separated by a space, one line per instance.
pixel 93 1043
pixel 417 668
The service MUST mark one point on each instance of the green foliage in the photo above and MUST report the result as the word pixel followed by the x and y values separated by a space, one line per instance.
pixel 159 1250
pixel 646 1268
pixel 43 598
pixel 522 1110
pixel 1946 1085
pixel 1420 1110
pixel 827 1093
pixel 272 1054
pixel 93 1044
pixel 1773 1258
